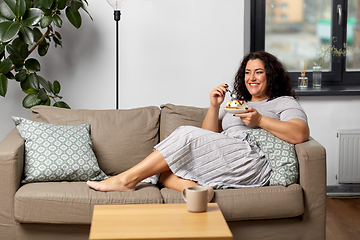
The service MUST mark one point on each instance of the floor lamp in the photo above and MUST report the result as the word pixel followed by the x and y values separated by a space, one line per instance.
pixel 117 4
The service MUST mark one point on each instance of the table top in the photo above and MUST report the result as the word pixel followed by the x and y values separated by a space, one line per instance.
pixel 157 221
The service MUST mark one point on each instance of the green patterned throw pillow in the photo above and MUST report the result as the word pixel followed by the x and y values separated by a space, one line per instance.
pixel 58 153
pixel 280 154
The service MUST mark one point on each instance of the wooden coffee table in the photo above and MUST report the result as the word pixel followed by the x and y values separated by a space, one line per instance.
pixel 157 221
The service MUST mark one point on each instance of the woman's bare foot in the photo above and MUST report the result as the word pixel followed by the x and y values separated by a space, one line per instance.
pixel 111 184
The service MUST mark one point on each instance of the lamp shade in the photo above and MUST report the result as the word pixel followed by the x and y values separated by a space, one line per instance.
pixel 116 4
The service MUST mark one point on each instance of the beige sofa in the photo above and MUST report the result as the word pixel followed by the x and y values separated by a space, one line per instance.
pixel 122 138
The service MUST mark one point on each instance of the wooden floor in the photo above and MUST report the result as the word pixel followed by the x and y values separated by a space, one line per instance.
pixel 342 218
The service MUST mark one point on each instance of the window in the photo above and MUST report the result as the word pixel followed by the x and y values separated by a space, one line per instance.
pixel 305 29
pixel 284 5
pixel 284 18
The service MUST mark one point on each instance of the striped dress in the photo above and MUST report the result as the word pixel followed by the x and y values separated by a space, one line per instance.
pixel 228 159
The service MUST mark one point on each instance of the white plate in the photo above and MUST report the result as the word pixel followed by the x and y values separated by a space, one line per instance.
pixel 234 111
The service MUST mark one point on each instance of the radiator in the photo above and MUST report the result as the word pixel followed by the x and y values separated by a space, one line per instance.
pixel 349 156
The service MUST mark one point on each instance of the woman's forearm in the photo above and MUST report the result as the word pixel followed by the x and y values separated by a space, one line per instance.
pixel 293 131
pixel 211 121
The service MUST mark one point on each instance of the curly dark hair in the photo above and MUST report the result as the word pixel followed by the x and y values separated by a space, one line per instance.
pixel 277 78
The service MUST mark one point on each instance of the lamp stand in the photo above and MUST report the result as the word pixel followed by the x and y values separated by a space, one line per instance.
pixel 117 15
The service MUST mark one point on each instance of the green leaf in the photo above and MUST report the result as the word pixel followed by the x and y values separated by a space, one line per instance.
pixel 2 48
pixel 43 49
pixel 2 19
pixel 24 51
pixel 46 103
pixel 18 48
pixel 45 83
pixel 7 9
pixel 32 16
pixel 61 4
pixel 17 42
pixel 8 30
pixel 5 66
pixel 27 35
pixel 61 104
pixel 28 3
pixel 33 81
pixel 28 90
pixel 20 8
pixel 57 41
pixel 74 17
pixel 46 3
pixel 75 5
pixel 21 75
pixel 42 94
pixel 31 100
pixel 36 4
pixel 9 75
pixel 11 49
pixel 16 59
pixel 58 35
pixel 54 5
pixel 46 21
pixel 57 21
pixel 87 12
pixel 37 34
pixel 47 12
pixel 3 85
pixel 51 86
pixel 32 65
pixel 56 87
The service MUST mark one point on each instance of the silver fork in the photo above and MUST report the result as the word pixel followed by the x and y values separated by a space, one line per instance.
pixel 232 94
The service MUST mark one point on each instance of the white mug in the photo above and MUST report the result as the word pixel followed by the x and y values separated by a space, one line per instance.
pixel 196 198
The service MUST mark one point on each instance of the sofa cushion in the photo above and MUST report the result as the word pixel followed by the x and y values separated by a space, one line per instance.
pixel 73 202
pixel 280 154
pixel 121 138
pixel 269 202
pixel 174 116
pixel 58 153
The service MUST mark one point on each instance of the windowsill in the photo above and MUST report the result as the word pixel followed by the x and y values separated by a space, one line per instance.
pixel 329 91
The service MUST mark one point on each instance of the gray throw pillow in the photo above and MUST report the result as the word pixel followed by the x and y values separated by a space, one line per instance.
pixel 58 153
pixel 280 154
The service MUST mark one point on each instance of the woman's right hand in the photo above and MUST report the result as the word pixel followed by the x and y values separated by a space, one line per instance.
pixel 211 121
pixel 217 95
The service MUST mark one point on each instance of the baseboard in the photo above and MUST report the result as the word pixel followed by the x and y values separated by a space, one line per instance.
pixel 343 190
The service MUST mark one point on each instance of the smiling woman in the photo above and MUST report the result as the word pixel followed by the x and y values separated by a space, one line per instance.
pixel 220 154
pixel 263 81
pixel 255 80
pixel 277 78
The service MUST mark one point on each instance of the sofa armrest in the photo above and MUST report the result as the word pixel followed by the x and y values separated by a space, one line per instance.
pixel 11 170
pixel 312 168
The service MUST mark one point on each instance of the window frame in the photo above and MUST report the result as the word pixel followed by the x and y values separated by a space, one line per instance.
pixel 338 81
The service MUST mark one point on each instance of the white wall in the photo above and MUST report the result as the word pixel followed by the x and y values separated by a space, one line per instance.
pixel 177 51
pixel 327 115
pixel 172 51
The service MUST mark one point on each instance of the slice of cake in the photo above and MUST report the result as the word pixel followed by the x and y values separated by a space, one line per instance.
pixel 236 104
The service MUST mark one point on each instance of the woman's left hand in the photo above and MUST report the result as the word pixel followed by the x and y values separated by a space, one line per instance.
pixel 251 118
pixel 293 131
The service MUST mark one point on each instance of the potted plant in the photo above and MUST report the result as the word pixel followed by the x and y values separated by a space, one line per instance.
pixel 26 26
